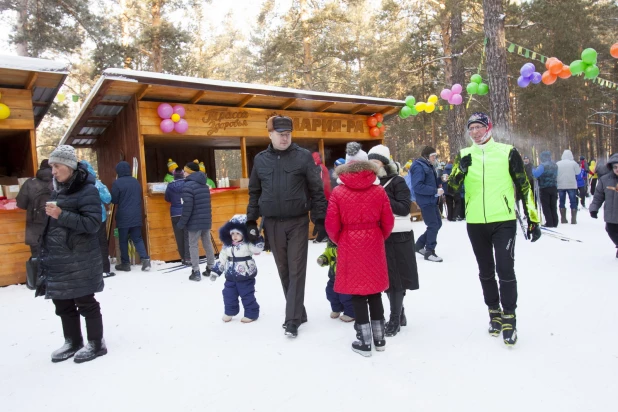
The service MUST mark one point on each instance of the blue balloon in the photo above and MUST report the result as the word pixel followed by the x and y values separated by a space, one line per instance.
pixel 536 78
pixel 522 81
pixel 527 70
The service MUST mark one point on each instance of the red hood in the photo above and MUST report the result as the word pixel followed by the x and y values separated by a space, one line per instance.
pixel 357 175
pixel 317 158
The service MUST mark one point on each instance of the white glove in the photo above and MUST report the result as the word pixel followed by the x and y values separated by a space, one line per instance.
pixel 213 277
pixel 440 191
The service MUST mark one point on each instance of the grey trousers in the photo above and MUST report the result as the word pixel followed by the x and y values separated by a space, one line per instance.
pixel 194 237
pixel 289 242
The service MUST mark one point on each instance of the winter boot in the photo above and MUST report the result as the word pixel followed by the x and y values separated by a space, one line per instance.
pixel 431 256
pixel 124 267
pixel 247 320
pixel 291 330
pixel 420 250
pixel 394 323
pixel 73 341
pixel 145 265
pixel 346 318
pixel 334 315
pixel 403 321
pixel 509 330
pixel 495 321
pixel 92 350
pixel 227 318
pixel 195 275
pixel 393 326
pixel 363 345
pixel 377 328
pixel 573 216
pixel 563 218
pixel 206 273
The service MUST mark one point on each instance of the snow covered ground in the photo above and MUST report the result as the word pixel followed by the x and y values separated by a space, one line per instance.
pixel 170 351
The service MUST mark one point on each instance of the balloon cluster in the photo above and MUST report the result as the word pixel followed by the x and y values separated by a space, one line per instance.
pixel 375 124
pixel 476 86
pixel 412 107
pixel 62 97
pixel 452 95
pixel 5 112
pixel 528 75
pixel 555 68
pixel 172 118
pixel 587 65
pixel 614 51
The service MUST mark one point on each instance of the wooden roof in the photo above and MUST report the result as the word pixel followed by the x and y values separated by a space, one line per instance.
pixel 42 77
pixel 116 87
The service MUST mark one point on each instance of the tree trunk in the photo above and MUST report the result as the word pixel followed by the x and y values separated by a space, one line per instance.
pixel 125 33
pixel 307 63
pixel 497 69
pixel 22 27
pixel 157 58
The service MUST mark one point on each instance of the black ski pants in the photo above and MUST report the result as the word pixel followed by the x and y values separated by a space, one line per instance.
pixel 69 311
pixel 612 231
pixel 366 304
pixel 289 242
pixel 182 240
pixel 549 204
pixel 498 238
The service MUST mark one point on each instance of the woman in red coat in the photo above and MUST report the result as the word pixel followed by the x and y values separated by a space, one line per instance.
pixel 359 219
pixel 323 173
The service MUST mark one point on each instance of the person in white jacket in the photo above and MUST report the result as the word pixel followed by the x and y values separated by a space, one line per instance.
pixel 568 169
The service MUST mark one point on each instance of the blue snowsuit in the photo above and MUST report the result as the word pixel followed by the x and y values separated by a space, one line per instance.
pixel 339 302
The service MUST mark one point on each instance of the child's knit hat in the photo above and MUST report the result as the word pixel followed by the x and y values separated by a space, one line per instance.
pixel 171 165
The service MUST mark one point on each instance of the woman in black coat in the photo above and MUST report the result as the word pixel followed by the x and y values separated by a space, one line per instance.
pixel 71 269
pixel 400 253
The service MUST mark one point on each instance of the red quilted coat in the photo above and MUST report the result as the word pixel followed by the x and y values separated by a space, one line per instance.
pixel 359 219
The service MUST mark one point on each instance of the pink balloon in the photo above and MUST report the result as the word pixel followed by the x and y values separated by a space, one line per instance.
pixel 165 111
pixel 446 94
pixel 456 89
pixel 456 99
pixel 166 126
pixel 179 110
pixel 182 126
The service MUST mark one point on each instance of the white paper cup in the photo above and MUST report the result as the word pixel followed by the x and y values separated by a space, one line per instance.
pixel 51 202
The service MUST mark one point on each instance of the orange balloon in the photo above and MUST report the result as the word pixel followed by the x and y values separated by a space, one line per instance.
pixel 372 121
pixel 614 51
pixel 383 128
pixel 549 61
pixel 379 117
pixel 374 132
pixel 565 73
pixel 555 67
pixel 548 78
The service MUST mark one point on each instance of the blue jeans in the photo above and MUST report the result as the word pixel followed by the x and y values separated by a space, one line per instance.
pixel 572 198
pixel 135 233
pixel 433 220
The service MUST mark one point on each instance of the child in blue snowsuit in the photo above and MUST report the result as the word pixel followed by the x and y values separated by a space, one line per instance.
pixel 338 301
pixel 236 262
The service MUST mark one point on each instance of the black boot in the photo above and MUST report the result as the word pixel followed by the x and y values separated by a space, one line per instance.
pixel 394 322
pixel 206 273
pixel 92 350
pixel 403 321
pixel 509 329
pixel 124 267
pixel 495 321
pixel 73 340
pixel 363 345
pixel 377 328
pixel 195 275
pixel 145 265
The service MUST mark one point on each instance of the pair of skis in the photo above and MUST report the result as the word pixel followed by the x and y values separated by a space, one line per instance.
pixel 546 231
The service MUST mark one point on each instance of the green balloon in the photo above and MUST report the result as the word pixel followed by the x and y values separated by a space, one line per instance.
pixel 410 101
pixel 414 111
pixel 401 116
pixel 405 112
pixel 472 88
pixel 476 78
pixel 577 67
pixel 591 72
pixel 483 89
pixel 589 56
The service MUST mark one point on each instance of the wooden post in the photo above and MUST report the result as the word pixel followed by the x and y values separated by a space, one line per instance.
pixel 321 150
pixel 35 161
pixel 243 157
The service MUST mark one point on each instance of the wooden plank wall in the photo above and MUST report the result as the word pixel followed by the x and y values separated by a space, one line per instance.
pixel 12 248
pixel 20 104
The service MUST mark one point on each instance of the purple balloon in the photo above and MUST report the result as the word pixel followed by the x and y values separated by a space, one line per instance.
pixel 456 99
pixel 166 126
pixel 179 110
pixel 536 78
pixel 182 126
pixel 165 111
pixel 456 89
pixel 523 82
pixel 527 70
pixel 446 94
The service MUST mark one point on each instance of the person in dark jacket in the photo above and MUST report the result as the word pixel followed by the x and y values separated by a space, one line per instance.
pixel 284 186
pixel 197 218
pixel 452 198
pixel 32 197
pixel 427 189
pixel 400 253
pixel 333 175
pixel 71 269
pixel 173 195
pixel 317 158
pixel 547 179
pixel 607 192
pixel 127 194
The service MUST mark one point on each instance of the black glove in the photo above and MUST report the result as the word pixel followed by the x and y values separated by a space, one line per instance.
pixel 534 231
pixel 594 215
pixel 465 163
pixel 252 231
pixel 320 230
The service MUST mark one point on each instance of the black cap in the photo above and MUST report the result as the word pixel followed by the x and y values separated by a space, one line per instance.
pixel 526 157
pixel 280 124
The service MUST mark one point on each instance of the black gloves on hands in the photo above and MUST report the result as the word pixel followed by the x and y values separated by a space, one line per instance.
pixel 534 231
pixel 252 231
pixel 465 163
pixel 320 230
pixel 594 215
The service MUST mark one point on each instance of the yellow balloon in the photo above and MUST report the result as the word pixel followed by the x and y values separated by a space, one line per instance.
pixel 430 107
pixel 420 106
pixel 5 112
pixel 433 99
pixel 61 97
pixel 175 118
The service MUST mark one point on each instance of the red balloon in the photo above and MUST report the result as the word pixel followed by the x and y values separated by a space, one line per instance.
pixel 372 121
pixel 379 117
pixel 555 67
pixel 565 73
pixel 548 78
pixel 383 128
pixel 614 51
pixel 549 61
pixel 374 132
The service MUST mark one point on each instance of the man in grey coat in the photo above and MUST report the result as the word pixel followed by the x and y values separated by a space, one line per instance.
pixel 568 169
pixel 607 192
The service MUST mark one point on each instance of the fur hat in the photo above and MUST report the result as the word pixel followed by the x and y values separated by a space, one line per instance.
pixel 171 165
pixel 280 124
pixel 427 151
pixel 238 223
pixel 64 155
pixel 381 153
pixel 354 153
pixel 192 167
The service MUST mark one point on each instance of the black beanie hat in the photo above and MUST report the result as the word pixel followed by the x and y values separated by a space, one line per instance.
pixel 427 150
pixel 192 167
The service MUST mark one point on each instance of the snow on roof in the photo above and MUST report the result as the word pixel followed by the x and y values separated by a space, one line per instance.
pixel 32 64
pixel 125 74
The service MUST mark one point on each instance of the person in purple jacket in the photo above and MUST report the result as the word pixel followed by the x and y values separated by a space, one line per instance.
pixel 173 195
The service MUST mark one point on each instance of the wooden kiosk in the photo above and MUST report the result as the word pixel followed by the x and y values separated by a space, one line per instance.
pixel 120 121
pixel 28 87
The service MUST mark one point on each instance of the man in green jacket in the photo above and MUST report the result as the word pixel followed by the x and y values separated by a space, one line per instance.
pixel 488 170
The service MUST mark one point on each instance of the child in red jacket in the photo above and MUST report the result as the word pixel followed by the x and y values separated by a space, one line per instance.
pixel 359 219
